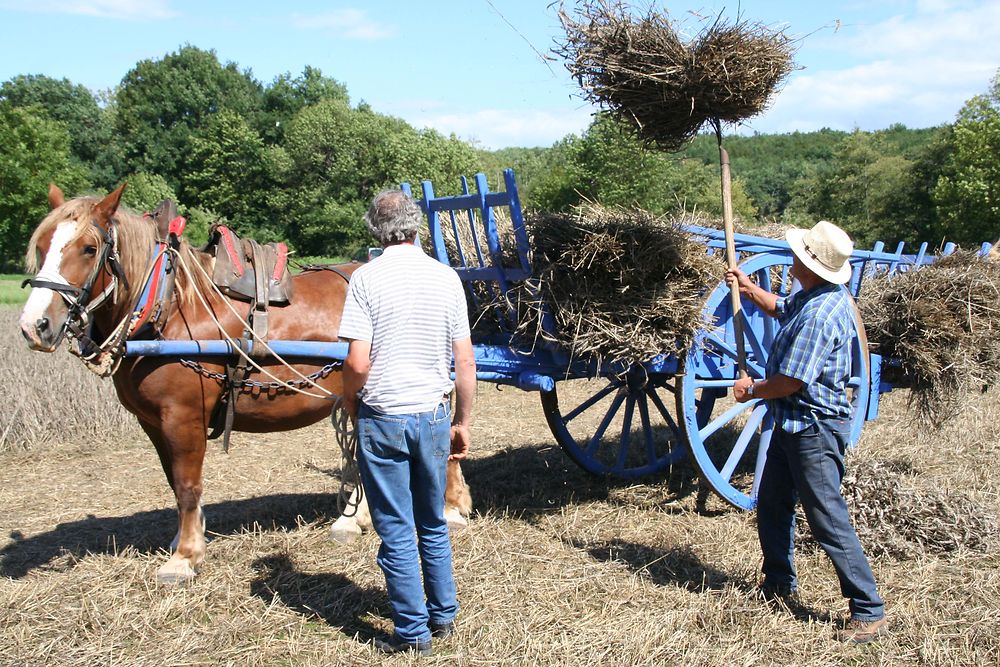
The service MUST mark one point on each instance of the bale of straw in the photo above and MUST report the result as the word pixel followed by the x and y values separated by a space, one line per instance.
pixel 895 516
pixel 641 69
pixel 620 284
pixel 942 324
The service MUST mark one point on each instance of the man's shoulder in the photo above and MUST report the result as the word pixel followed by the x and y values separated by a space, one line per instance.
pixel 831 306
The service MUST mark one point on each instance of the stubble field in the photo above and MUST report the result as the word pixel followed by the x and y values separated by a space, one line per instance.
pixel 556 567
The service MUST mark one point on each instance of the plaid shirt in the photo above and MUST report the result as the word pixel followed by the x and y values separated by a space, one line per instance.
pixel 814 346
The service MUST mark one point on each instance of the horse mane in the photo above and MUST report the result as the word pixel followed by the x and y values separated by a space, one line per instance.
pixel 136 236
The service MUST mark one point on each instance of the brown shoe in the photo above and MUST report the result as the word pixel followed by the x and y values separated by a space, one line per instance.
pixel 856 631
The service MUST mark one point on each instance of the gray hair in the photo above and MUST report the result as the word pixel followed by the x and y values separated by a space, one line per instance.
pixel 393 216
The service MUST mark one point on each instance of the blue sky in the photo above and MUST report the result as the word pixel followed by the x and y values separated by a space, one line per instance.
pixel 472 67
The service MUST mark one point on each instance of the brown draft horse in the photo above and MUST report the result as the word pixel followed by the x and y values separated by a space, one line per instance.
pixel 79 248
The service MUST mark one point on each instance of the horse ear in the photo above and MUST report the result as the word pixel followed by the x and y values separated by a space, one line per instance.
pixel 56 197
pixel 105 209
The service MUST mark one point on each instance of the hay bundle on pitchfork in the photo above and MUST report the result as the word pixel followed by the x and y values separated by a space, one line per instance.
pixel 666 88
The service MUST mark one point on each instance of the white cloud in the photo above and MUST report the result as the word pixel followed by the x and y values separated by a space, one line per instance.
pixel 948 30
pixel 349 23
pixel 132 10
pixel 920 69
pixel 500 128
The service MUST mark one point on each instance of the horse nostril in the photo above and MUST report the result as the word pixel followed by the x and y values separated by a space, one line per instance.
pixel 42 325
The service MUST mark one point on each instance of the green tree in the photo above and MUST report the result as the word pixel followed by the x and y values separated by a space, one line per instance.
pixel 335 158
pixel 287 95
pixel 145 191
pixel 34 151
pixel 240 194
pixel 161 103
pixel 867 188
pixel 610 166
pixel 967 194
pixel 77 108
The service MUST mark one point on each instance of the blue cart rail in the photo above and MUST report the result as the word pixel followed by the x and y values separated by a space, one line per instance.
pixel 613 418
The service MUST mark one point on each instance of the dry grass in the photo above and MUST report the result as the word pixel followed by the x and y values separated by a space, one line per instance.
pixel 942 323
pixel 50 396
pixel 556 568
pixel 640 67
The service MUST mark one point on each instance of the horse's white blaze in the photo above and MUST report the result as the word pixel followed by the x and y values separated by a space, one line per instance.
pixel 41 297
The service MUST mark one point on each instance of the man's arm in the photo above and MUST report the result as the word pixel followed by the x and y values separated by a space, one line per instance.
pixel 356 368
pixel 766 301
pixel 776 386
pixel 465 396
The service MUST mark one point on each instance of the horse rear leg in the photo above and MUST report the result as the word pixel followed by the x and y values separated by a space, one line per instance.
pixel 457 500
pixel 356 520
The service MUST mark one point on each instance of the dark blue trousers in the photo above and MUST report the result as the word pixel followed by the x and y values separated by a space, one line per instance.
pixel 808 466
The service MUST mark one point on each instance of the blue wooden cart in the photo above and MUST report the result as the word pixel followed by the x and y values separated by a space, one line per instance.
pixel 613 418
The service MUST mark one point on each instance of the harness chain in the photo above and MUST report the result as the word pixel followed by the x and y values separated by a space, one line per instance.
pixel 257 384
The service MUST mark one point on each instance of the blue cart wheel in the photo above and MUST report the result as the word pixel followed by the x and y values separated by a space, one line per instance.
pixel 620 426
pixel 729 445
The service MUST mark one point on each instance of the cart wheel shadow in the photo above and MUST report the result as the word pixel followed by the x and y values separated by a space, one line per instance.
pixel 535 479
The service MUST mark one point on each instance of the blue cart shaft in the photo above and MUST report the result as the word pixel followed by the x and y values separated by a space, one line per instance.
pixel 220 348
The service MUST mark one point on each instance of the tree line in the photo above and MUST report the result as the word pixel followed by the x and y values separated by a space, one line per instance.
pixel 294 159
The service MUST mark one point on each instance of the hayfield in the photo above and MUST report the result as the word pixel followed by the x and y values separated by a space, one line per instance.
pixel 555 568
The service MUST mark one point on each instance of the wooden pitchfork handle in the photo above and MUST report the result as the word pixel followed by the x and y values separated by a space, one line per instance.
pixel 734 291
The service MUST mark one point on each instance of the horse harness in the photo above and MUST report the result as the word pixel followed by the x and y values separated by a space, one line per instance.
pixel 235 278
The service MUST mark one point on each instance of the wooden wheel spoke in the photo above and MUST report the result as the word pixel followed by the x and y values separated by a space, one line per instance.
pixel 587 404
pixel 662 409
pixel 647 430
pixel 626 432
pixel 730 351
pixel 762 446
pixel 595 441
pixel 742 442
pixel 724 419
pixel 755 344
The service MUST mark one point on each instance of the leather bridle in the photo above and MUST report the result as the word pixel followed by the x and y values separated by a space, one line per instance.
pixel 78 299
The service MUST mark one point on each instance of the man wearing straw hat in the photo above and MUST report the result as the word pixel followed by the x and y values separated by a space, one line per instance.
pixel 806 390
pixel 405 317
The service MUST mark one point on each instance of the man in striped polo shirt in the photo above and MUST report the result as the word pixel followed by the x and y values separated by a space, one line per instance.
pixel 806 389
pixel 405 317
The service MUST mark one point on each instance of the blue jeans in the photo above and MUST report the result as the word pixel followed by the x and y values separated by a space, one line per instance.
pixel 403 463
pixel 809 466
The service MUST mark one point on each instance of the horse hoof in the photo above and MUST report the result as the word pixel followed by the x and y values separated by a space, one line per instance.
pixel 175 575
pixel 344 535
pixel 455 520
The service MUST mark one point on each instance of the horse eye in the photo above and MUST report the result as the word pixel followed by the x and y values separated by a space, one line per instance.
pixel 90 250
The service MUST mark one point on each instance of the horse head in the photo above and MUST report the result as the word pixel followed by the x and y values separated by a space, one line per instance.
pixel 74 253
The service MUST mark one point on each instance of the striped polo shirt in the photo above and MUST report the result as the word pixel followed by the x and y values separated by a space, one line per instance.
pixel 813 346
pixel 411 308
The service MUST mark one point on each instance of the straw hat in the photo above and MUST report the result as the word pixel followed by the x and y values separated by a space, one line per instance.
pixel 825 250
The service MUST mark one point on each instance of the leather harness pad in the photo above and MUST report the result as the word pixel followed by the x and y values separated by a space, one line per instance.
pixel 248 271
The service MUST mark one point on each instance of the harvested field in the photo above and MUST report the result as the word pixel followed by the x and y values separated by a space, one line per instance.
pixel 556 567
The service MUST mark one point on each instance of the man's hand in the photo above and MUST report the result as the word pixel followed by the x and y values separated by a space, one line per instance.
pixel 460 441
pixel 351 406
pixel 740 390
pixel 764 299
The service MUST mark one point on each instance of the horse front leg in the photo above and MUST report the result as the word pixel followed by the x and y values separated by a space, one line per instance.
pixel 187 447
